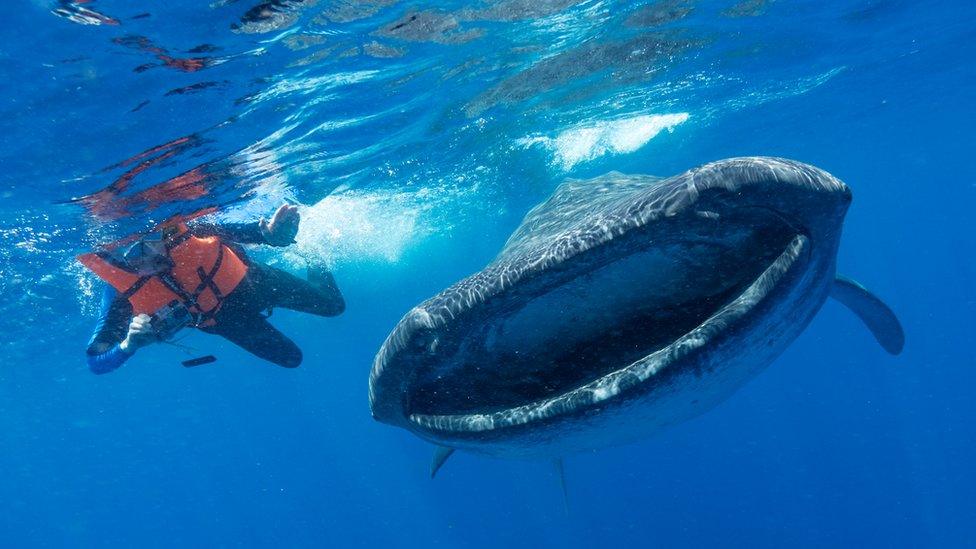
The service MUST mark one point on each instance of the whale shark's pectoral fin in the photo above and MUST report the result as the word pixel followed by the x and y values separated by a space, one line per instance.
pixel 872 311
pixel 561 475
pixel 441 453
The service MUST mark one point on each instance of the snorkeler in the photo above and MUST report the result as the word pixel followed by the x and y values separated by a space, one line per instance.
pixel 198 276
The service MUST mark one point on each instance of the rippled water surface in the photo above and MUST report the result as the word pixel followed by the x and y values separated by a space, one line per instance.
pixel 414 136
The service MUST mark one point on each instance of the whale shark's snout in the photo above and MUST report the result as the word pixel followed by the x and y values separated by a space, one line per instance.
pixel 615 300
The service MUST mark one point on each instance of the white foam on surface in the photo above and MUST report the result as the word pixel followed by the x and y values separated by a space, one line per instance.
pixel 359 225
pixel 590 141
pixel 368 226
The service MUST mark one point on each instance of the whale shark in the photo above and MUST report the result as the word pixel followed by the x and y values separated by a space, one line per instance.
pixel 622 305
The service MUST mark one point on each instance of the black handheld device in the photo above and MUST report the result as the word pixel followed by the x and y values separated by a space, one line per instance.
pixel 170 319
pixel 199 361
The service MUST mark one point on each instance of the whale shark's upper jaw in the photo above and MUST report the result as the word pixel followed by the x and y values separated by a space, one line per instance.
pixel 562 331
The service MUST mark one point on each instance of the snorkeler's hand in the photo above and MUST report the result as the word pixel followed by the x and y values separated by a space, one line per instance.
pixel 283 227
pixel 140 334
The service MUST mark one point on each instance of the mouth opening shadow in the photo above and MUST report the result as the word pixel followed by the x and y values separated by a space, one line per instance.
pixel 643 297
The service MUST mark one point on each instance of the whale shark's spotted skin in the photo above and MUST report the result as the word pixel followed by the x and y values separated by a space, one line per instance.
pixel 621 305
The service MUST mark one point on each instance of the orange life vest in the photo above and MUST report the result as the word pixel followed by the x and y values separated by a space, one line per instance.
pixel 204 273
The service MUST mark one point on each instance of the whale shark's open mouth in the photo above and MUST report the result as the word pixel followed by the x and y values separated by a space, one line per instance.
pixel 612 320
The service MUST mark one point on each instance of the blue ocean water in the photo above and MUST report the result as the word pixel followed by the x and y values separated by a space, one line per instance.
pixel 416 136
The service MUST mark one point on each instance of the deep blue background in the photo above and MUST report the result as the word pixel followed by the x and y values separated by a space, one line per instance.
pixel 836 444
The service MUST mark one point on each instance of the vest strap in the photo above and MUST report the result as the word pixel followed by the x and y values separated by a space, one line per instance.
pixel 190 300
pixel 207 279
pixel 136 286
pixel 207 282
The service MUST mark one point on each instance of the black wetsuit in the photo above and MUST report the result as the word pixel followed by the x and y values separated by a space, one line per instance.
pixel 242 318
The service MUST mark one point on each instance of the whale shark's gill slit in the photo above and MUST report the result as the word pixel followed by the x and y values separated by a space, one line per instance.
pixel 637 299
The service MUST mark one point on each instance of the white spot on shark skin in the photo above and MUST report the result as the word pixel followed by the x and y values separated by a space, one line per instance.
pixel 602 393
pixel 590 141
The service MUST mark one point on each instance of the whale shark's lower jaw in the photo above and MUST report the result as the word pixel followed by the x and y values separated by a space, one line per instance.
pixel 634 376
